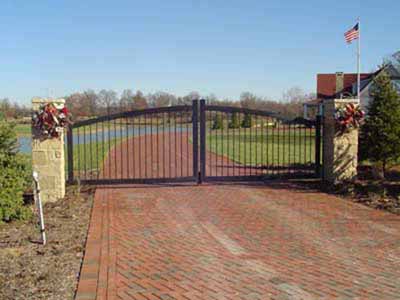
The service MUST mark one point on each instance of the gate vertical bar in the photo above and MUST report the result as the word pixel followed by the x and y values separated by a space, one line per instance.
pixel 195 137
pixel 70 153
pixel 202 140
pixel 318 146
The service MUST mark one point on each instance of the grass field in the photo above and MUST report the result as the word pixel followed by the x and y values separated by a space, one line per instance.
pixel 90 156
pixel 23 129
pixel 272 147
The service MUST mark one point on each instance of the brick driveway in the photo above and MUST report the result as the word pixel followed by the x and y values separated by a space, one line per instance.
pixel 241 241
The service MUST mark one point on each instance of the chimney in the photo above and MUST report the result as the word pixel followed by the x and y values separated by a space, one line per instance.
pixel 339 83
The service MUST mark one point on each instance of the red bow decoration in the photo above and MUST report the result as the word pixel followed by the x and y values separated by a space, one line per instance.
pixel 50 120
pixel 349 117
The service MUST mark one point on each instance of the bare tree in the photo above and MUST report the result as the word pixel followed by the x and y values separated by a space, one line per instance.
pixel 108 99
pixel 90 102
pixel 294 94
pixel 293 99
pixel 248 100
pixel 187 100
pixel 211 99
pixel 13 110
pixel 126 100
pixel 73 102
pixel 139 101
pixel 161 99
pixel 6 108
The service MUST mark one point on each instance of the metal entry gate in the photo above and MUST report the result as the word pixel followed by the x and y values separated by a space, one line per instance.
pixel 192 143
pixel 145 146
pixel 246 144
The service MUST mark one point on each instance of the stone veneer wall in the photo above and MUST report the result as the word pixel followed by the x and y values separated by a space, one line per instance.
pixel 340 150
pixel 48 159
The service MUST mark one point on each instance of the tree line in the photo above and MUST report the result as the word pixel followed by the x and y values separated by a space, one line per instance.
pixel 13 110
pixel 90 103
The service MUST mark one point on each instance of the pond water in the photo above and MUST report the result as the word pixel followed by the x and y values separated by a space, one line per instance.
pixel 86 137
pixel 25 144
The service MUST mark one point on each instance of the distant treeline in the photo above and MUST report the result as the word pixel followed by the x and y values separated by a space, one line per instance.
pixel 13 110
pixel 90 103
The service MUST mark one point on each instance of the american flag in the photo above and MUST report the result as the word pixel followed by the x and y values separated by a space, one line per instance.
pixel 352 34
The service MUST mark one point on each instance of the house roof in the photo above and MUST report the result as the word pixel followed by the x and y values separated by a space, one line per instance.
pixel 326 84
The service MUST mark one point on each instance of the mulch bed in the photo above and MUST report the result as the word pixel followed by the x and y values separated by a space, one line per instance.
pixel 383 194
pixel 29 270
pixel 380 194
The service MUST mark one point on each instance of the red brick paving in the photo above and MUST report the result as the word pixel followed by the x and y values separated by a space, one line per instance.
pixel 239 241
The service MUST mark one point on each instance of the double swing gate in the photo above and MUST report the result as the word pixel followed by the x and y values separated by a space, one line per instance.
pixel 192 143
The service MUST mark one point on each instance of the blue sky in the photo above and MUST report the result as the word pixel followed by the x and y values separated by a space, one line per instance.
pixel 220 47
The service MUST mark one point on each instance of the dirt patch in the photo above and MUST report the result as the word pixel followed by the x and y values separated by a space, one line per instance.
pixel 29 270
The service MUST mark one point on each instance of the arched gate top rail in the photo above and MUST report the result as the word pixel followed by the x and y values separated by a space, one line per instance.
pixel 134 113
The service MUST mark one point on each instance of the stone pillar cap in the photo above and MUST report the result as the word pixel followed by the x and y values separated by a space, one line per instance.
pixel 47 100
pixel 350 100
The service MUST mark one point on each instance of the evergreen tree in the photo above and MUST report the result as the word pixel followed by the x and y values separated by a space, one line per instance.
pixel 234 122
pixel 247 121
pixel 218 123
pixel 14 176
pixel 380 134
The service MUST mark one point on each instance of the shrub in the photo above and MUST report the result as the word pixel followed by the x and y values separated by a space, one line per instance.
pixel 380 135
pixel 218 122
pixel 14 176
pixel 234 122
pixel 247 121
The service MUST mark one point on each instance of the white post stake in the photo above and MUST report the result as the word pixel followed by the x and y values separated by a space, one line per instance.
pixel 38 202
pixel 359 61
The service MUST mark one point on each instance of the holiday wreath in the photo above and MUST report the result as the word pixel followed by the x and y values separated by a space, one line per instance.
pixel 50 120
pixel 348 117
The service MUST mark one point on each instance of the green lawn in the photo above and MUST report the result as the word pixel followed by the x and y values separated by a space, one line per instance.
pixel 90 156
pixel 270 147
pixel 23 129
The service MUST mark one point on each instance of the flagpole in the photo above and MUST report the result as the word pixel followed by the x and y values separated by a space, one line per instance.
pixel 359 60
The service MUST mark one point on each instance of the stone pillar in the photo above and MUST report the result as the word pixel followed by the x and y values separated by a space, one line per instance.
pixel 340 150
pixel 48 158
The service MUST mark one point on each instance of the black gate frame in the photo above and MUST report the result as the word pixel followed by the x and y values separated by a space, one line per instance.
pixel 171 109
pixel 204 177
pixel 198 110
